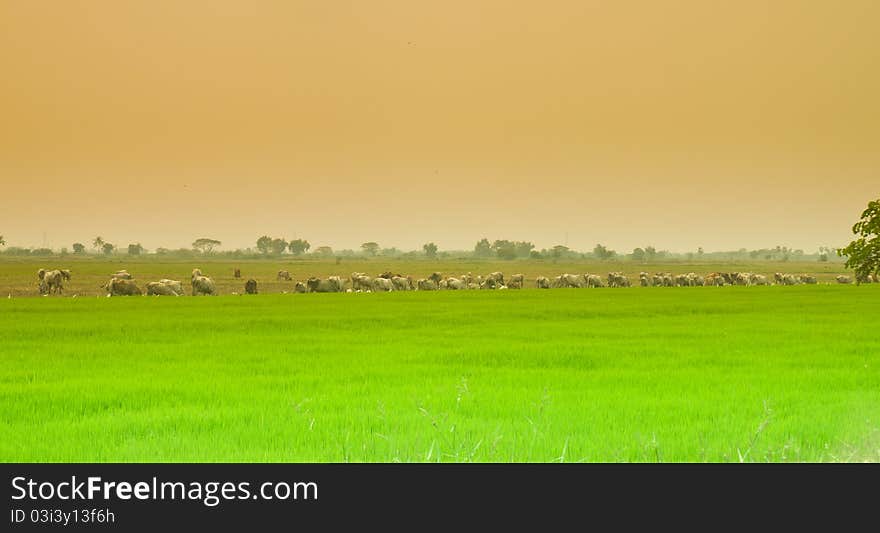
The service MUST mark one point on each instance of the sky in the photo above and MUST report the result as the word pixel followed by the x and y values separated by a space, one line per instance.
pixel 678 124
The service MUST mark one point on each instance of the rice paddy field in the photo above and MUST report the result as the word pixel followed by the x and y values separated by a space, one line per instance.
pixel 638 374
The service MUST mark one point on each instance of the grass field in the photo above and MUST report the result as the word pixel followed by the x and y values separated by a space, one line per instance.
pixel 701 374
pixel 18 277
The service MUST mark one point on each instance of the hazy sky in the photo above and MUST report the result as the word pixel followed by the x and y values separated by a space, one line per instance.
pixel 721 124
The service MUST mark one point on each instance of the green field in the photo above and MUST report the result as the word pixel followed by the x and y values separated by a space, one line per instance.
pixel 18 276
pixel 639 374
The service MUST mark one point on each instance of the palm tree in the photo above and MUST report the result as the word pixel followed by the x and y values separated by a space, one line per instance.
pixel 98 242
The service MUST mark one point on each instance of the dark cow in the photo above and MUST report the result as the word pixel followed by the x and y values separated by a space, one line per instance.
pixel 250 286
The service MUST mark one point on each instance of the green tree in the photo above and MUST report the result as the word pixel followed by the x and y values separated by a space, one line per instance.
pixel 603 253
pixel 135 249
pixel 98 243
pixel 863 254
pixel 278 246
pixel 108 248
pixel 558 251
pixel 79 248
pixel 205 245
pixel 650 253
pixel 323 251
pixel 504 249
pixel 430 250
pixel 524 249
pixel 370 248
pixel 298 246
pixel 264 244
pixel 483 248
pixel 638 254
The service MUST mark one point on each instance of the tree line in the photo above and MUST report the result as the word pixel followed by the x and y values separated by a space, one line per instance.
pixel 267 246
pixel 861 255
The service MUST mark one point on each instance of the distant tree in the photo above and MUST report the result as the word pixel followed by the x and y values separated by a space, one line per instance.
pixel 278 246
pixel 603 253
pixel 508 253
pixel 558 251
pixel 323 251
pixel 638 254
pixel 264 244
pixel 535 254
pixel 524 249
pixel 2 241
pixel 650 253
pixel 298 246
pixel 504 249
pixel 205 245
pixel 108 248
pixel 370 248
pixel 483 248
pixel 98 243
pixel 430 250
pixel 162 251
pixel 863 254
pixel 79 248
pixel 700 251
pixel 135 249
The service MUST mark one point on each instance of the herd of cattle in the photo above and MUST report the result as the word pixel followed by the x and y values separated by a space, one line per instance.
pixel 122 283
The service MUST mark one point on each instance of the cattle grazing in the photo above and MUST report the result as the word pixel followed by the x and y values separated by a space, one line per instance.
pixel 250 286
pixel 786 279
pixel 122 287
pixel 497 279
pixel 201 284
pixel 388 275
pixel 759 279
pixel 843 279
pixel 52 281
pixel 864 278
pixel 593 281
pixel 516 281
pixel 489 284
pixel 808 279
pixel 164 287
pixel 436 277
pixel 542 283
pixel 427 284
pixel 570 281
pixel 695 280
pixel 401 283
pixel 283 275
pixel 360 282
pixel 300 287
pixel 331 284
pixel 381 284
pixel 122 274
pixel 617 279
pixel 157 288
pixel 455 284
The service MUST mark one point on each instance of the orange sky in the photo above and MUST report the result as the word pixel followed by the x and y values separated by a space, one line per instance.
pixel 676 123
